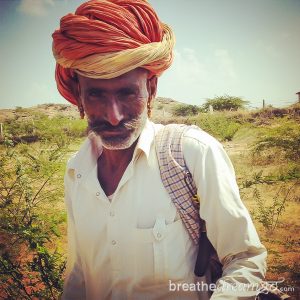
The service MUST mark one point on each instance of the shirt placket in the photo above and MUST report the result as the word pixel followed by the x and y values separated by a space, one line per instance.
pixel 114 227
pixel 113 240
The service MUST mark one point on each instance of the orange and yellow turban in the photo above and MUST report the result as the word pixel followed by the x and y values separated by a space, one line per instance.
pixel 107 38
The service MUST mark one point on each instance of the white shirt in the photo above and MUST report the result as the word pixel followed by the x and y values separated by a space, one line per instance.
pixel 135 245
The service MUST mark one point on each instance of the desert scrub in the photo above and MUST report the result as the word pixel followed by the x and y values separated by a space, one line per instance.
pixel 183 110
pixel 226 102
pixel 281 141
pixel 217 124
pixel 268 214
pixel 31 186
pixel 39 127
pixel 272 194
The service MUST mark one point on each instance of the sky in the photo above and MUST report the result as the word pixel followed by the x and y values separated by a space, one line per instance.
pixel 249 49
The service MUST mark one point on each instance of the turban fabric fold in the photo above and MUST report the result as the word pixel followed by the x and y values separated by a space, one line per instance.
pixel 107 38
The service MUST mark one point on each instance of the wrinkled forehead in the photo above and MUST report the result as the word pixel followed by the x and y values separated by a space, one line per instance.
pixel 135 78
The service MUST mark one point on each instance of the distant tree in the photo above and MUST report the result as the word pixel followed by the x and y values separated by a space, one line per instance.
pixel 186 110
pixel 19 109
pixel 225 102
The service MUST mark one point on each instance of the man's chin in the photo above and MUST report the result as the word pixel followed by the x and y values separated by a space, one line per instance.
pixel 119 139
pixel 117 143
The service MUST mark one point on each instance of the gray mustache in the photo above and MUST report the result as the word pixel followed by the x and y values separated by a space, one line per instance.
pixel 130 124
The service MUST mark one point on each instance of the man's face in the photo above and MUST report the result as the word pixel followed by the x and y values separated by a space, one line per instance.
pixel 116 108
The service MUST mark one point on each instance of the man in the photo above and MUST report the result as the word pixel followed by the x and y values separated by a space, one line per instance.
pixel 126 239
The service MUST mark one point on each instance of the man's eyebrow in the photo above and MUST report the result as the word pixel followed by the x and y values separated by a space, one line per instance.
pixel 131 87
pixel 95 89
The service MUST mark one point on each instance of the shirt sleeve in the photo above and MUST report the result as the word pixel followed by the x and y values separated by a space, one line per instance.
pixel 74 284
pixel 228 223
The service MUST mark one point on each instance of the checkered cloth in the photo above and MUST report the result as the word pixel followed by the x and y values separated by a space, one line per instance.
pixel 176 177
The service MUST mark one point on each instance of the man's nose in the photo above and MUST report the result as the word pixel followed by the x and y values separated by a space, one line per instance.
pixel 114 114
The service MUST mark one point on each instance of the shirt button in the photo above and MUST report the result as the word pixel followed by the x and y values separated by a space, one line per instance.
pixel 111 213
pixel 78 175
pixel 97 194
pixel 113 242
pixel 158 235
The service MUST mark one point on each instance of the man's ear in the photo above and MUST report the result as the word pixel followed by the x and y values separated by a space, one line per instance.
pixel 152 88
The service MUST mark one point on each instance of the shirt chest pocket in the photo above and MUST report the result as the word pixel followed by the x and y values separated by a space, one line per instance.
pixel 160 251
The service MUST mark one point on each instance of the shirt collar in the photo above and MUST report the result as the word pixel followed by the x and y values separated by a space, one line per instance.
pixel 91 149
pixel 145 140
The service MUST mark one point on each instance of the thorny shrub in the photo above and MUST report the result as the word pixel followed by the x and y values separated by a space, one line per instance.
pixel 31 265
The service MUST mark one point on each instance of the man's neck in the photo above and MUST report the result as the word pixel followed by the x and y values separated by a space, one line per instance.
pixel 111 167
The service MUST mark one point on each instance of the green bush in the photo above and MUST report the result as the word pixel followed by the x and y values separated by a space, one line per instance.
pixel 186 110
pixel 31 185
pixel 57 129
pixel 159 106
pixel 217 125
pixel 225 102
pixel 20 109
pixel 281 140
pixel 269 214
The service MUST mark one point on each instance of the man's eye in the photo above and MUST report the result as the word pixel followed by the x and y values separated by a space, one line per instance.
pixel 127 94
pixel 94 94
